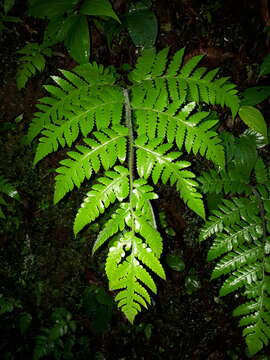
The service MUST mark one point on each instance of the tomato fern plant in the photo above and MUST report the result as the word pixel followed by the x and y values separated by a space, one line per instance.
pixel 131 138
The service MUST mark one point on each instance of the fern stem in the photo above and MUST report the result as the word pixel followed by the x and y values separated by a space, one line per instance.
pixel 130 152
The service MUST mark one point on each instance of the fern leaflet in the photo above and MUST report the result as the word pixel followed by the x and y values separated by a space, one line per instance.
pixel 33 60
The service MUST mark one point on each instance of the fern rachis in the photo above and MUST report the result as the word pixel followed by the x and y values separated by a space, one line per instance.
pixel 133 139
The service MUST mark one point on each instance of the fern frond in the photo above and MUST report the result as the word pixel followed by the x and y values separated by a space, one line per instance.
pixel 81 98
pixel 226 182
pixel 161 111
pixel 114 225
pixel 230 212
pixel 93 112
pixel 140 200
pixel 255 315
pixel 33 60
pixel 149 233
pixel 127 274
pixel 135 249
pixel 114 185
pixel 194 82
pixel 157 117
pixel 261 172
pixel 153 159
pixel 244 254
pixel 109 145
pixel 245 241
pixel 245 275
pixel 241 157
pixel 235 236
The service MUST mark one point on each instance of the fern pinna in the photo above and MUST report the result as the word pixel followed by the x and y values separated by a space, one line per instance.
pixel 241 229
pixel 131 138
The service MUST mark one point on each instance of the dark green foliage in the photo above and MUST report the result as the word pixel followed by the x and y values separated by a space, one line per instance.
pixel 241 244
pixel 6 190
pixel 5 7
pixel 54 340
pixel 33 60
pixel 68 22
pixel 139 18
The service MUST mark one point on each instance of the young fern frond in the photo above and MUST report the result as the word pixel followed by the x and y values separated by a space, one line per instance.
pixel 33 60
pixel 133 138
pixel 242 247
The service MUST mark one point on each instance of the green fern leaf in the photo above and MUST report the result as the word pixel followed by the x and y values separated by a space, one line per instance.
pixel 230 212
pixel 152 159
pixel 140 200
pixel 189 67
pixel 114 185
pixel 242 234
pixel 236 236
pixel 235 259
pixel 202 85
pixel 245 275
pixel 151 235
pixel 220 181
pixel 33 60
pixel 175 63
pixel 125 275
pixel 144 127
pixel 110 144
pixel 78 100
pixel 81 118
pixel 197 135
pixel 115 224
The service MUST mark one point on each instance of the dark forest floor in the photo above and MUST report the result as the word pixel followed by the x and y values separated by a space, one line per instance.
pixel 44 267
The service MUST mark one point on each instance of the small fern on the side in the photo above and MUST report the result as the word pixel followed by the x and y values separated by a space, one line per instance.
pixel 32 60
pixel 131 138
pixel 6 190
pixel 241 229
